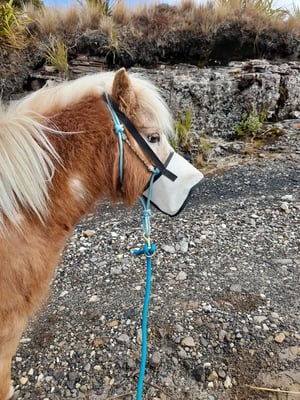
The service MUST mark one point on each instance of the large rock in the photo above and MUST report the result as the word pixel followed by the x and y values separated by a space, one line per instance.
pixel 217 96
pixel 220 96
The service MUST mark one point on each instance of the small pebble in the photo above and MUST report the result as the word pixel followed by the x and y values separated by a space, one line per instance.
pixel 279 337
pixel 285 207
pixel 23 380
pixel 227 382
pixel 123 339
pixel 94 299
pixel 89 233
pixel 213 376
pixel 287 197
pixel 155 360
pixel 188 341
pixel 181 276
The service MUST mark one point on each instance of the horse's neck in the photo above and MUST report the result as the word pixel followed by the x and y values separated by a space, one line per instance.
pixel 89 170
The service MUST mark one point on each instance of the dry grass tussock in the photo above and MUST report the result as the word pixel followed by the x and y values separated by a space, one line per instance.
pixel 120 13
pixel 183 16
pixel 152 20
pixel 207 18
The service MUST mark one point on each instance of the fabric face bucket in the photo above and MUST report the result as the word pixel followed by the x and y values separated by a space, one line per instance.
pixel 169 196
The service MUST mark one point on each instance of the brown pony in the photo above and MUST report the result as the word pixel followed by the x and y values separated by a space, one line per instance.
pixel 59 154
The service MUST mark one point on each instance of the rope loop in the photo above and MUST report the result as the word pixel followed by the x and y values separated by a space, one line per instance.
pixel 148 249
pixel 119 129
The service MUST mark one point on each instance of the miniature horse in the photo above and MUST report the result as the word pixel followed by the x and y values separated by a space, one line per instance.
pixel 59 154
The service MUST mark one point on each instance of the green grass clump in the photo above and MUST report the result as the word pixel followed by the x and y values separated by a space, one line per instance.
pixel 182 127
pixel 13 25
pixel 104 7
pixel 252 123
pixel 57 56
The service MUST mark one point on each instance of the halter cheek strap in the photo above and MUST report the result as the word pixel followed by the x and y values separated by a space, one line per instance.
pixel 119 129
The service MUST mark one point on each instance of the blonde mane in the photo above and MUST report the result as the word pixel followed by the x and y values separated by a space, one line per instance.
pixel 26 154
pixel 26 166
pixel 52 99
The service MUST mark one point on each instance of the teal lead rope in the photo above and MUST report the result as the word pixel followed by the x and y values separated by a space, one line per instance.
pixel 148 249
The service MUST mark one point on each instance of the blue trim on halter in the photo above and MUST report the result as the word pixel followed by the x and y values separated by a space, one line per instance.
pixel 119 129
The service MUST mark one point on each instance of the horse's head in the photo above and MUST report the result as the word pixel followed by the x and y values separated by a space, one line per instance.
pixel 142 110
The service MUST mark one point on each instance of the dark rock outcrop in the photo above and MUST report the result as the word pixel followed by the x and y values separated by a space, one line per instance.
pixel 218 97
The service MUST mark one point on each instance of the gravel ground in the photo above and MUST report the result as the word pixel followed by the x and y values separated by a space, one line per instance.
pixel 224 310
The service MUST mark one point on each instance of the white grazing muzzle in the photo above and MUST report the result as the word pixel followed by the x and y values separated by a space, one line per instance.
pixel 170 188
pixel 170 196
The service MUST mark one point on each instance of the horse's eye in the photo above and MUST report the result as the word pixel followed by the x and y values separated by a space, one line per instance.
pixel 155 138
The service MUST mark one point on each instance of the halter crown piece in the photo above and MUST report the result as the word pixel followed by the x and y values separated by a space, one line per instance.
pixel 148 248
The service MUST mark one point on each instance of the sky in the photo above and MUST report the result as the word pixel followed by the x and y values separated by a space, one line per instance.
pixel 286 4
pixel 276 3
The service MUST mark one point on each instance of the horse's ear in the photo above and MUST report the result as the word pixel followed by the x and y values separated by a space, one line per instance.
pixel 122 92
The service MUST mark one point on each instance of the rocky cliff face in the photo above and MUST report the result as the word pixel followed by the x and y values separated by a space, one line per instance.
pixel 218 97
